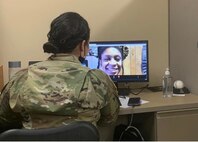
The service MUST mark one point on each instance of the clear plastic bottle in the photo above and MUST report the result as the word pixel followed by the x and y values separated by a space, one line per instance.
pixel 167 84
pixel 14 66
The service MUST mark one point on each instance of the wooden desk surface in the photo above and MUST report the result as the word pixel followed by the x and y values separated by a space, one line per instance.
pixel 158 103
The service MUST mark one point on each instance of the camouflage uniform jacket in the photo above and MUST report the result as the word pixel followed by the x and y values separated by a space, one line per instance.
pixel 58 91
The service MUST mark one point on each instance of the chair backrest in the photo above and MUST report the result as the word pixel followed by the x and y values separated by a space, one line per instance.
pixel 75 131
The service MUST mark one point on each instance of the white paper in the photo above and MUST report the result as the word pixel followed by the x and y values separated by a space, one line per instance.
pixel 124 102
pixel 179 94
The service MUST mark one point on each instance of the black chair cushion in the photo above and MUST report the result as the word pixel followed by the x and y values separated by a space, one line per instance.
pixel 76 131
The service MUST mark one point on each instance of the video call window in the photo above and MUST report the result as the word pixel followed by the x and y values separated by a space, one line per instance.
pixel 121 60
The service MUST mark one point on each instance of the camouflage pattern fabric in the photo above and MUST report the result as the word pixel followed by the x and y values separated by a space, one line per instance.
pixel 56 92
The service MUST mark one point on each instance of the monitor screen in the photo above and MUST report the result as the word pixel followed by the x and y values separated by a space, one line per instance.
pixel 123 61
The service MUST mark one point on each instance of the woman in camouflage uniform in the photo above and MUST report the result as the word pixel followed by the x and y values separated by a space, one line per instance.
pixel 60 90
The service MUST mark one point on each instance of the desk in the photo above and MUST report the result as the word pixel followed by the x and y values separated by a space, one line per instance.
pixel 174 118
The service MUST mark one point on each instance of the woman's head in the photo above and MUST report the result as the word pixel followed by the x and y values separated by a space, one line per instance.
pixel 110 60
pixel 66 32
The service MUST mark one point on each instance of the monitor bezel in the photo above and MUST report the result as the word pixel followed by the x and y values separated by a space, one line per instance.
pixel 116 80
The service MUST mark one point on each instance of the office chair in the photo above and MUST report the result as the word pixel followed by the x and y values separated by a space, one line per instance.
pixel 75 131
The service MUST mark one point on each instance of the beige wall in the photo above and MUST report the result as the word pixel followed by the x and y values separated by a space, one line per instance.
pixel 184 42
pixel 24 25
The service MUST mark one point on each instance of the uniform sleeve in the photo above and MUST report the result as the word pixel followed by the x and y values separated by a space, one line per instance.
pixel 109 112
pixel 107 96
pixel 8 118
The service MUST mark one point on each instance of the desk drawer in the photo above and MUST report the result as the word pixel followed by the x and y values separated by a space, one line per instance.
pixel 177 125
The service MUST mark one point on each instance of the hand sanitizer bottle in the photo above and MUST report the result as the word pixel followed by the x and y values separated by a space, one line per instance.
pixel 167 86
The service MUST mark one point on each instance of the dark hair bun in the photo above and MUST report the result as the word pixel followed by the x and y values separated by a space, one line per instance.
pixel 50 48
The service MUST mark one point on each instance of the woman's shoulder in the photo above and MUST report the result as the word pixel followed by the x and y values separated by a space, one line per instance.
pixel 97 74
pixel 19 75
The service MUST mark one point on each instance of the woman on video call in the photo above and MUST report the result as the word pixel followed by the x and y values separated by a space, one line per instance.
pixel 111 59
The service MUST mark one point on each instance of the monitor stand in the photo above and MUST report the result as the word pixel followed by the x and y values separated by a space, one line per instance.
pixel 123 91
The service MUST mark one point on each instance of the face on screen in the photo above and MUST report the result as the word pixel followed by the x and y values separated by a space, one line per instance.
pixel 111 61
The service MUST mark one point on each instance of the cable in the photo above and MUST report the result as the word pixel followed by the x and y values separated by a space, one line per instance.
pixel 130 126
pixel 131 120
pixel 141 89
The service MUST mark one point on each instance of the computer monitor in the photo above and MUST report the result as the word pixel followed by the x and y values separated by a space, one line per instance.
pixel 123 61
